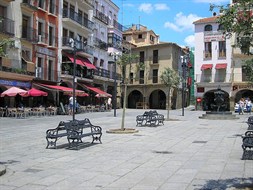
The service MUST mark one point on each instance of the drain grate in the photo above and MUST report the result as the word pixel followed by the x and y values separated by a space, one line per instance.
pixel 30 170
pixel 10 162
pixel 162 152
pixel 203 142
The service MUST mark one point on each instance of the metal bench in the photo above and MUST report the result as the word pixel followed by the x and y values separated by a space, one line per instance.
pixel 150 118
pixel 247 145
pixel 79 129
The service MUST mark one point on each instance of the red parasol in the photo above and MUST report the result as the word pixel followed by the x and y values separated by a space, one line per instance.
pixel 13 91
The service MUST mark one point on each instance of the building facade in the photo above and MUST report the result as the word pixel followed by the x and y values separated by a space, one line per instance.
pixel 145 89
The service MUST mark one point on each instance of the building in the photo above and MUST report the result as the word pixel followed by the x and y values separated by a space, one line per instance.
pixel 145 89
pixel 212 62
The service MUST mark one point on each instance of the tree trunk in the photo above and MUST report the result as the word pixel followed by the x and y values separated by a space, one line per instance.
pixel 168 108
pixel 124 109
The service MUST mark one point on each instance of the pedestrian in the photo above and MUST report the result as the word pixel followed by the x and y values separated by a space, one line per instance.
pixel 249 106
pixel 71 102
pixel 109 102
pixel 241 106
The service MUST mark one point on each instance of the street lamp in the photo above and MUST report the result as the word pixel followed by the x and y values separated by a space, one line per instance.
pixel 115 57
pixel 184 66
pixel 73 44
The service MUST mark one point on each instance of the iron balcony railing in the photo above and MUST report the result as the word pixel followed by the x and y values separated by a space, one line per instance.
pixel 29 34
pixel 226 77
pixel 102 72
pixel 30 3
pixel 100 44
pixel 80 45
pixel 17 71
pixel 102 17
pixel 83 21
pixel 7 26
pixel 118 26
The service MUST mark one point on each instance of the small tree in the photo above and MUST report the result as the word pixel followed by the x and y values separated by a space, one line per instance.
pixel 123 61
pixel 171 79
pixel 3 43
pixel 249 70
pixel 238 19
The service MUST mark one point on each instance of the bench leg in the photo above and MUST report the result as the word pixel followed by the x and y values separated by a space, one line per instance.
pixel 74 143
pixel 51 142
pixel 96 138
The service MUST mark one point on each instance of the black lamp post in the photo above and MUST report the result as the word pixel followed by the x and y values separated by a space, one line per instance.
pixel 184 66
pixel 73 45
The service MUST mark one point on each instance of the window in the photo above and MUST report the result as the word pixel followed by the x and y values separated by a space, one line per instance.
pixel 131 78
pixel 80 15
pixel 101 63
pixel 72 12
pixel 152 38
pixel 200 89
pixel 208 27
pixel 142 57
pixel 42 4
pixel 222 49
pixel 221 27
pixel 25 27
pixel 155 56
pixel 141 80
pixel 52 6
pixel 50 70
pixel 140 36
pixel 39 69
pixel 208 50
pixel 40 28
pixel 51 36
pixel 155 75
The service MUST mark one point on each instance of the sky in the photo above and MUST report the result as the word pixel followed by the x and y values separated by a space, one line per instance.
pixel 172 20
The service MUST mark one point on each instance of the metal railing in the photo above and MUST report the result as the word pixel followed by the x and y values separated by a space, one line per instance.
pixel 7 26
pixel 29 34
pixel 30 3
pixel 100 44
pixel 102 17
pixel 67 13
pixel 17 71
pixel 80 45
pixel 118 26
pixel 227 77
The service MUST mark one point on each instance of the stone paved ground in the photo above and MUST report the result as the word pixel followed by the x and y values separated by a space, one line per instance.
pixel 187 153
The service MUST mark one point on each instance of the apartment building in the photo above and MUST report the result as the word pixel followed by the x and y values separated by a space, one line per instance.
pixel 145 89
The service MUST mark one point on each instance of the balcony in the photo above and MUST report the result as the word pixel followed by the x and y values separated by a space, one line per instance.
pixel 7 26
pixel 53 8
pixel 100 44
pixel 212 78
pixel 102 17
pixel 207 55
pixel 42 38
pixel 29 34
pixel 118 26
pixel 73 16
pixel 222 54
pixel 80 45
pixel 29 5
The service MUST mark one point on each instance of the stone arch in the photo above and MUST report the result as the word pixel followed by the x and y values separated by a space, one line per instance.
pixel 134 97
pixel 157 99
pixel 244 93
pixel 208 100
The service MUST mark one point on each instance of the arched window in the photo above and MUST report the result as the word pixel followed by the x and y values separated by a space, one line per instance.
pixel 208 27
pixel 221 27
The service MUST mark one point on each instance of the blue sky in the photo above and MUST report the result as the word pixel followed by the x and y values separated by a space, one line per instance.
pixel 171 19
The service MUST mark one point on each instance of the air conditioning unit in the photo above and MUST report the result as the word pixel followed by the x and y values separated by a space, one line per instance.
pixel 39 38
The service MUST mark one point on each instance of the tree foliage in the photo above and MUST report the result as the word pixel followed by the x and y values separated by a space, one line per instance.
pixel 3 44
pixel 249 70
pixel 238 19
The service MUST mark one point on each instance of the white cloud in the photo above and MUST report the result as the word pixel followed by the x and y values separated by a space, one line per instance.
pixel 146 7
pixel 182 22
pixel 161 6
pixel 212 1
pixel 190 41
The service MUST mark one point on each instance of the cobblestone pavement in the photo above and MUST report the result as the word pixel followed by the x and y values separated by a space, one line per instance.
pixel 186 153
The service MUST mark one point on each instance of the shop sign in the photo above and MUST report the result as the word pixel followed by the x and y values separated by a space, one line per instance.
pixel 45 51
pixel 15 83
pixel 213 36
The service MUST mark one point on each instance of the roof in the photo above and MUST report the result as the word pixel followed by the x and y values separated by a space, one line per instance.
pixel 207 20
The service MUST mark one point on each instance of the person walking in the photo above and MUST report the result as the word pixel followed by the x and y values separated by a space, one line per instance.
pixel 248 105
pixel 71 102
pixel 241 106
pixel 109 103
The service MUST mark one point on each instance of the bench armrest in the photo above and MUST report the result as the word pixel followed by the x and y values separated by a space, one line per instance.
pixel 249 133
pixel 95 128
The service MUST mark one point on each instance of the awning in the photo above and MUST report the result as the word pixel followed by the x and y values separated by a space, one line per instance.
pixel 206 66
pixel 78 61
pixel 81 61
pixel 99 92
pixel 221 66
pixel 88 64
pixel 66 90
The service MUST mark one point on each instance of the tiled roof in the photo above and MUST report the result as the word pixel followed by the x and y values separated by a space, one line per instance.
pixel 206 20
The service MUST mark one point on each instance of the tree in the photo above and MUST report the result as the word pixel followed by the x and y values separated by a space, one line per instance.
pixel 3 43
pixel 238 19
pixel 171 79
pixel 249 70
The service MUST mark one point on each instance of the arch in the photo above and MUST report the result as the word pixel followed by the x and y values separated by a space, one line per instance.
pixel 134 97
pixel 208 27
pixel 221 27
pixel 244 93
pixel 157 99
pixel 208 101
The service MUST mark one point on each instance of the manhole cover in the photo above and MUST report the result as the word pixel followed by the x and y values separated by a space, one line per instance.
pixel 199 142
pixel 162 152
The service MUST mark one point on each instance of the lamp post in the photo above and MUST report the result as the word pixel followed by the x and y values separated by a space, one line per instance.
pixel 73 45
pixel 184 61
